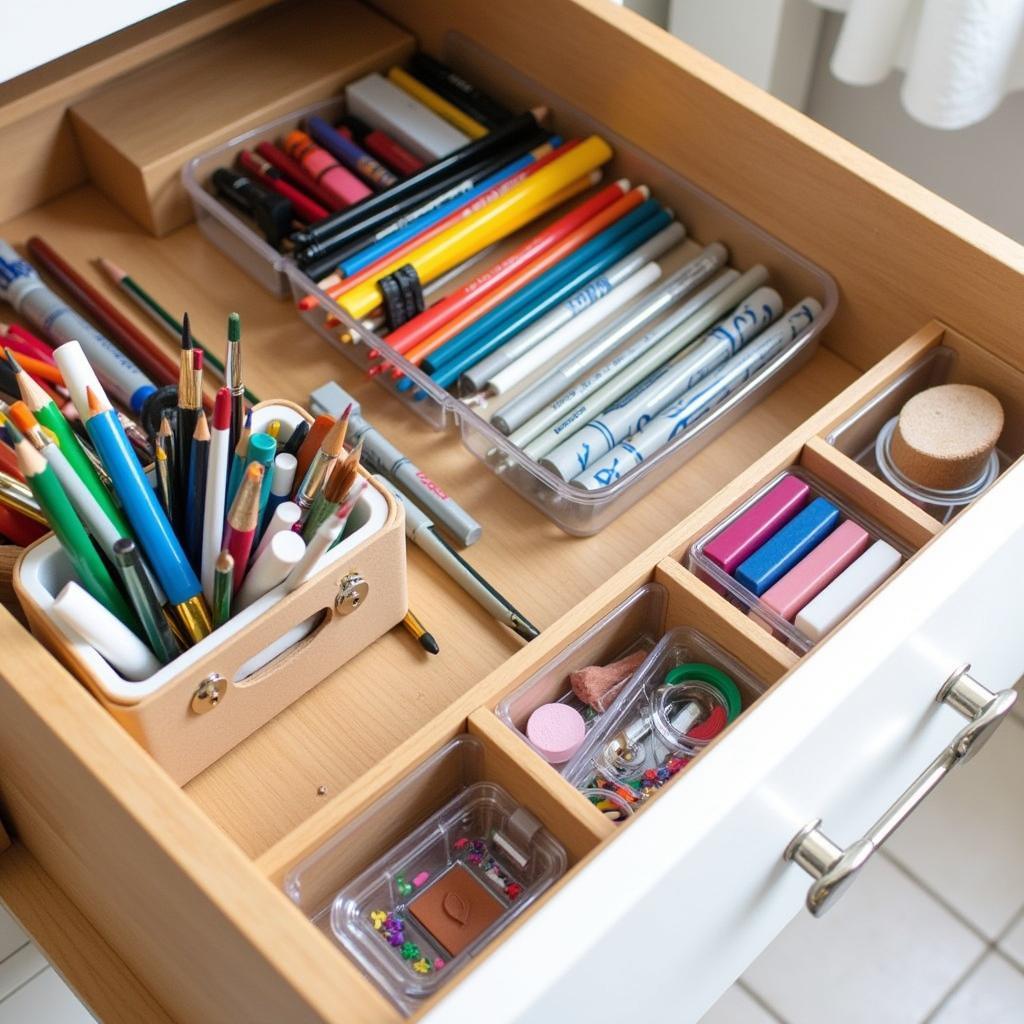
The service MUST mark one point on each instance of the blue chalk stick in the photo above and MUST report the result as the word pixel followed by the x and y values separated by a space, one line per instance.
pixel 777 555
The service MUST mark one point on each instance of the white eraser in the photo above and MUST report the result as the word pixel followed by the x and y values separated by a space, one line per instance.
pixel 383 105
pixel 852 586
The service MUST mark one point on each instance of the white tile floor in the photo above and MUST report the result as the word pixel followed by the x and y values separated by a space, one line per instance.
pixel 932 934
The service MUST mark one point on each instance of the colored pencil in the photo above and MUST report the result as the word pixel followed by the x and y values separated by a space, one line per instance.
pixel 566 176
pixel 263 171
pixel 311 445
pixel 142 349
pixel 216 489
pixel 68 528
pixel 386 149
pixel 223 585
pixel 299 176
pixel 33 345
pixel 149 524
pixel 174 327
pixel 418 631
pixel 49 416
pixel 242 519
pixel 195 502
pixel 295 439
pixel 17 527
pixel 237 460
pixel 547 249
pixel 364 263
pixel 437 103
pixel 454 88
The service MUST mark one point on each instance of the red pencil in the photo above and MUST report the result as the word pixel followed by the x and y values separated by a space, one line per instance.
pixel 19 529
pixel 9 461
pixel 532 258
pixel 336 286
pixel 298 175
pixel 243 518
pixel 31 345
pixel 266 174
pixel 144 351
pixel 385 149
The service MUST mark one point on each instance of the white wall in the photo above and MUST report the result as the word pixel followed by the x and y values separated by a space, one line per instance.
pixel 980 168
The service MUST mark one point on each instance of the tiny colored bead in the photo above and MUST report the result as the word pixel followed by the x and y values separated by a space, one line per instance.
pixel 421 879
pixel 513 890
pixel 395 938
pixel 410 951
pixel 650 774
pixel 438 964
pixel 378 917
pixel 421 966
pixel 460 844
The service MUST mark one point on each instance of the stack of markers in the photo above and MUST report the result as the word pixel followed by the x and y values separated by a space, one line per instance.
pixel 395 128
pixel 227 523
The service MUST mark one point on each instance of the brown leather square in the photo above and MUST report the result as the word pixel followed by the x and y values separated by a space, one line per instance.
pixel 456 909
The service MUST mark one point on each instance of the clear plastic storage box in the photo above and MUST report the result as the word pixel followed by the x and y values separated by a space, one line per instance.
pixel 635 624
pixel 866 437
pixel 576 510
pixel 685 693
pixel 421 882
pixel 711 573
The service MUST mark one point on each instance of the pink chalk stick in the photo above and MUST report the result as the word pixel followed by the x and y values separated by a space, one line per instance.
pixel 817 570
pixel 762 520
pixel 556 731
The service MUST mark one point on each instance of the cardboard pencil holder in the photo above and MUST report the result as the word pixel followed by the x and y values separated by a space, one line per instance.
pixel 218 692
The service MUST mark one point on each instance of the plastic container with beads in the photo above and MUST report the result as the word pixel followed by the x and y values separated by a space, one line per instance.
pixel 685 693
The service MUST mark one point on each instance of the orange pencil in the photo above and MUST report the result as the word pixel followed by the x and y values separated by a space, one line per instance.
pixel 569 244
pixel 311 445
pixel 37 368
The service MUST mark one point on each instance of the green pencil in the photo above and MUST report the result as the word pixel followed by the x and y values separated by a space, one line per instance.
pixel 223 584
pixel 69 530
pixel 146 302
pixel 52 418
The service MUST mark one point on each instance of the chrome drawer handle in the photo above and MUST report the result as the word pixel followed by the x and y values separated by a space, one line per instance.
pixel 833 868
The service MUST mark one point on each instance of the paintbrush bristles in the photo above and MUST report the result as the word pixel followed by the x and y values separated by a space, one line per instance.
pixel 343 476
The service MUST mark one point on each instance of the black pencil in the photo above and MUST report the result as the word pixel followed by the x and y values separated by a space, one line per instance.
pixel 295 439
pixel 188 413
pixel 195 498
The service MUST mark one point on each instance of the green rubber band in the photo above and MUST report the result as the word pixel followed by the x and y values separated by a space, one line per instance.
pixel 715 677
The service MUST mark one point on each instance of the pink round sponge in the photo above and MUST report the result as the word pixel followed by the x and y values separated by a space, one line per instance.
pixel 556 730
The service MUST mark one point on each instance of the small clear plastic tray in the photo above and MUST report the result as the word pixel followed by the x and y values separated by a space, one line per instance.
pixel 654 729
pixel 734 591
pixel 635 624
pixel 361 887
pixel 865 437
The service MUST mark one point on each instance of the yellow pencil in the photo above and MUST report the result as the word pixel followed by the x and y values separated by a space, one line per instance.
pixel 488 225
pixel 438 104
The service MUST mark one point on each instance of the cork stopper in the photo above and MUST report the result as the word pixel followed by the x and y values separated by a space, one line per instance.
pixel 945 435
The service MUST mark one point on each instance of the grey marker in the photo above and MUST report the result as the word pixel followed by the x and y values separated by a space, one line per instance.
pixel 633 320
pixel 380 455
pixel 420 530
pixel 23 288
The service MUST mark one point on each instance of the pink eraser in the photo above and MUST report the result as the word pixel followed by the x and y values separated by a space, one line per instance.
pixel 745 534
pixel 556 731
pixel 816 571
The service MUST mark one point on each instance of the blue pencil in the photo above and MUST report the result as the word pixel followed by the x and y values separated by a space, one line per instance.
pixel 587 256
pixel 375 250
pixel 451 370
pixel 154 532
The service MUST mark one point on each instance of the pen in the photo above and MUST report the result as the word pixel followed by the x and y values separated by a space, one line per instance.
pixel 420 530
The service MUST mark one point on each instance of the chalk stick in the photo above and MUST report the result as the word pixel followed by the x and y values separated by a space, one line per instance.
pixel 748 531
pixel 848 590
pixel 813 573
pixel 773 559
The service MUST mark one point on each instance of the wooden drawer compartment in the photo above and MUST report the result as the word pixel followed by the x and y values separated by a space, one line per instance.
pixel 129 848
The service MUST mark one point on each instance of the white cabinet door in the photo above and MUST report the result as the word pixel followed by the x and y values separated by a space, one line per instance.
pixel 672 911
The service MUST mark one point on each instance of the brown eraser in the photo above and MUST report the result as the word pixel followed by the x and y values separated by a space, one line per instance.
pixel 594 684
pixel 944 435
pixel 456 909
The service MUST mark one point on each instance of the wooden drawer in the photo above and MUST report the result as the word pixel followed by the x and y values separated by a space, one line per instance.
pixel 183 885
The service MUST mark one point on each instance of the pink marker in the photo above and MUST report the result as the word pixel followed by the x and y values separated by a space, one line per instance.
pixel 817 570
pixel 763 519
pixel 318 163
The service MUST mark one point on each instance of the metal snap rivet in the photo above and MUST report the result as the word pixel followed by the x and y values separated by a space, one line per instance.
pixel 209 693
pixel 351 594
